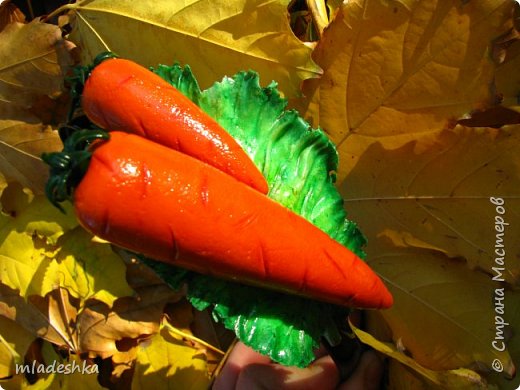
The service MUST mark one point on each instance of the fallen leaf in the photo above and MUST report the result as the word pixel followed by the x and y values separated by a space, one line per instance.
pixel 215 334
pixel 138 275
pixel 396 70
pixel 334 7
pixel 122 364
pixel 14 342
pixel 443 315
pixel 27 243
pixel 29 74
pixel 96 329
pixel 29 67
pixel 32 315
pixel 165 361
pixel 461 378
pixel 25 167
pixel 42 249
pixel 14 198
pixel 434 193
pixel 496 117
pixel 129 319
pixel 181 315
pixel 445 189
pixel 86 269
pixel 205 327
pixel 198 330
pixel 216 38
pixel 398 75
pixel 62 315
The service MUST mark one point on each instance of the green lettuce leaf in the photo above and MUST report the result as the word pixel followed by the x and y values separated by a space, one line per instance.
pixel 299 164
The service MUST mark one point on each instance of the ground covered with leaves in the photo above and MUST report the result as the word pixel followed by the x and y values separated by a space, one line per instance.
pixel 421 99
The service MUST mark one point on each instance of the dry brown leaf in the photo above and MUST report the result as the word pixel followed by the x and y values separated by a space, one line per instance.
pixel 95 330
pixel 181 315
pixel 20 166
pixel 29 68
pixel 130 318
pixel 204 327
pixel 32 315
pixel 29 77
pixel 62 314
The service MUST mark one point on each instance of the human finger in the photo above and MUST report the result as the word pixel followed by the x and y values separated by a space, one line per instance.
pixel 321 374
pixel 240 357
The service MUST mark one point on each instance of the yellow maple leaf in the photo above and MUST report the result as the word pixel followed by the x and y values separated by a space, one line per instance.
pixel 42 249
pixel 394 70
pixel 438 196
pixel 14 342
pixel 216 38
pixel 461 378
pixel 443 315
pixel 166 361
pixel 397 77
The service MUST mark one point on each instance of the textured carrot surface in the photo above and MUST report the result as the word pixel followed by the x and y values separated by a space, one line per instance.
pixel 151 199
pixel 122 95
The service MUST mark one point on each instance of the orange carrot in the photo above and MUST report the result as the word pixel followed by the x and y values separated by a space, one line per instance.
pixel 169 206
pixel 122 95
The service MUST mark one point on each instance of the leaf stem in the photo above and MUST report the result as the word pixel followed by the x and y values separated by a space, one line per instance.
pixel 193 338
pixel 318 10
pixel 224 359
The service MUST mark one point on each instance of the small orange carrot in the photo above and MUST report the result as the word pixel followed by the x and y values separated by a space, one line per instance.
pixel 122 95
pixel 172 207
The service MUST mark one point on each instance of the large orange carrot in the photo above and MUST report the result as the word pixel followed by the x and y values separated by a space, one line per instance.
pixel 122 95
pixel 154 200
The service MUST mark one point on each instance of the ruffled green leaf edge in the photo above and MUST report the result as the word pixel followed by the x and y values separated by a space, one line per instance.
pixel 299 164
